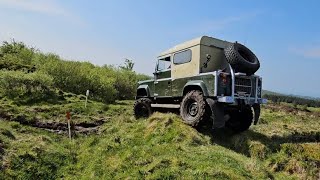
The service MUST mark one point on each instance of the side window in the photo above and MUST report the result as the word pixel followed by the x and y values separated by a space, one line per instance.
pixel 164 64
pixel 182 57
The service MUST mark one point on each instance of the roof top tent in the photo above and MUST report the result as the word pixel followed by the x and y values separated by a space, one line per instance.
pixel 204 54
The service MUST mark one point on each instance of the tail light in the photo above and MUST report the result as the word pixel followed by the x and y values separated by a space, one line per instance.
pixel 224 79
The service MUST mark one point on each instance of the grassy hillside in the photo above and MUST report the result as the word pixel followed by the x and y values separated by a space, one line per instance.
pixel 284 145
pixel 36 91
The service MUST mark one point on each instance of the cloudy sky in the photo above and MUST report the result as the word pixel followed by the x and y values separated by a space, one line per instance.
pixel 285 35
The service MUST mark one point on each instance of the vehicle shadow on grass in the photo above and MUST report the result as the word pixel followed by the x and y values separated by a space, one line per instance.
pixel 245 141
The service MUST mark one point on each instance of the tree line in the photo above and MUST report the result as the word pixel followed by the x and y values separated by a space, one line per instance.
pixel 277 98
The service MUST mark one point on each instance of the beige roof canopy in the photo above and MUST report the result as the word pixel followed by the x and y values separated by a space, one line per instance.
pixel 203 40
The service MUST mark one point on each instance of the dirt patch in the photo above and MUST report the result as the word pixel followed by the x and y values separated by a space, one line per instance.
pixel 1 150
pixel 291 110
pixel 61 128
pixel 57 127
pixel 5 115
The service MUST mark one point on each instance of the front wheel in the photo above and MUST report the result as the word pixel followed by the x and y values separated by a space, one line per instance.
pixel 193 107
pixel 142 108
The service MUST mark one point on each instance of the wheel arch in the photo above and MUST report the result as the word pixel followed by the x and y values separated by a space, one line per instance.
pixel 195 85
pixel 143 91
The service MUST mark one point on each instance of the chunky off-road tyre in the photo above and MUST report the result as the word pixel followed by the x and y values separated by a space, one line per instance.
pixel 142 108
pixel 241 58
pixel 193 108
pixel 215 111
pixel 240 120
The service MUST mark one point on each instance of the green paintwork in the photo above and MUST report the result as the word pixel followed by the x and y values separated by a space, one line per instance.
pixel 174 88
pixel 163 74
pixel 206 81
pixel 148 86
pixel 162 84
pixel 162 88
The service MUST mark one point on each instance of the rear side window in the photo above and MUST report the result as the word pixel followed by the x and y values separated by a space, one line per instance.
pixel 182 57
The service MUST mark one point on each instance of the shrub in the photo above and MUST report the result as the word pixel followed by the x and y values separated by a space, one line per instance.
pixel 106 84
pixel 26 86
pixel 16 56
pixel 127 83
pixel 77 77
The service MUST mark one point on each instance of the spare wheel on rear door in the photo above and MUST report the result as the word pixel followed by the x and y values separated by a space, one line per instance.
pixel 241 58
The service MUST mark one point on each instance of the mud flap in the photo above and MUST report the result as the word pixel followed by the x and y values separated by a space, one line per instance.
pixel 217 113
pixel 256 109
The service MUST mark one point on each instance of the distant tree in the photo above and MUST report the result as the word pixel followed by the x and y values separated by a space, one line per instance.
pixel 128 65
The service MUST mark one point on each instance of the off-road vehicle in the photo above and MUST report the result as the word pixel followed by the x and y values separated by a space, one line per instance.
pixel 206 78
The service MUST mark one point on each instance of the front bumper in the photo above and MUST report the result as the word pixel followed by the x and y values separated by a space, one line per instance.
pixel 246 100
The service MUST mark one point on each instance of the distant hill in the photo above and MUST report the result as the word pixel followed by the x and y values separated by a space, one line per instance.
pixel 270 92
pixel 295 99
pixel 294 95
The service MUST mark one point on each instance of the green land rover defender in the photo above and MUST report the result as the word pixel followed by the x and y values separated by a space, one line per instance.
pixel 206 78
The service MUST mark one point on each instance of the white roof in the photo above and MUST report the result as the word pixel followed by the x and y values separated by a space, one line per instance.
pixel 203 40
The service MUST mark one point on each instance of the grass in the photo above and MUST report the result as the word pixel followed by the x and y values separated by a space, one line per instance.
pixel 285 145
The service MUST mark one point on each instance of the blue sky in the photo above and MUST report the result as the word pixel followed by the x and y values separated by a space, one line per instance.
pixel 285 35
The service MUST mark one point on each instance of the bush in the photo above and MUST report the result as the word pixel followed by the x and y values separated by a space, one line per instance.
pixel 106 84
pixel 26 86
pixel 77 77
pixel 16 56
pixel 126 85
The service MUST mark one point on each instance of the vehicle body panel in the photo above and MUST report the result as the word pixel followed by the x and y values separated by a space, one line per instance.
pixel 203 72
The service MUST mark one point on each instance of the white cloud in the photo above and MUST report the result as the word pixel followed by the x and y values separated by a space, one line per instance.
pixel 46 6
pixel 307 52
pixel 313 53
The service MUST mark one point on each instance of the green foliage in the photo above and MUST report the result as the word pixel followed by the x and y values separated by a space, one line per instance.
pixel 126 85
pixel 78 77
pixel 25 86
pixel 106 84
pixel 128 65
pixel 16 56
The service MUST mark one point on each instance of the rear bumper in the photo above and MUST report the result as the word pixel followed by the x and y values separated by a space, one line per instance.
pixel 241 92
pixel 246 100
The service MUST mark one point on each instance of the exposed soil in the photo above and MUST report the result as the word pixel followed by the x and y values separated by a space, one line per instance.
pixel 1 150
pixel 291 110
pixel 57 127
pixel 61 128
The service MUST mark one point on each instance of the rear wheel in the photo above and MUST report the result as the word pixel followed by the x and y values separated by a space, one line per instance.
pixel 216 113
pixel 240 120
pixel 193 107
pixel 142 108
